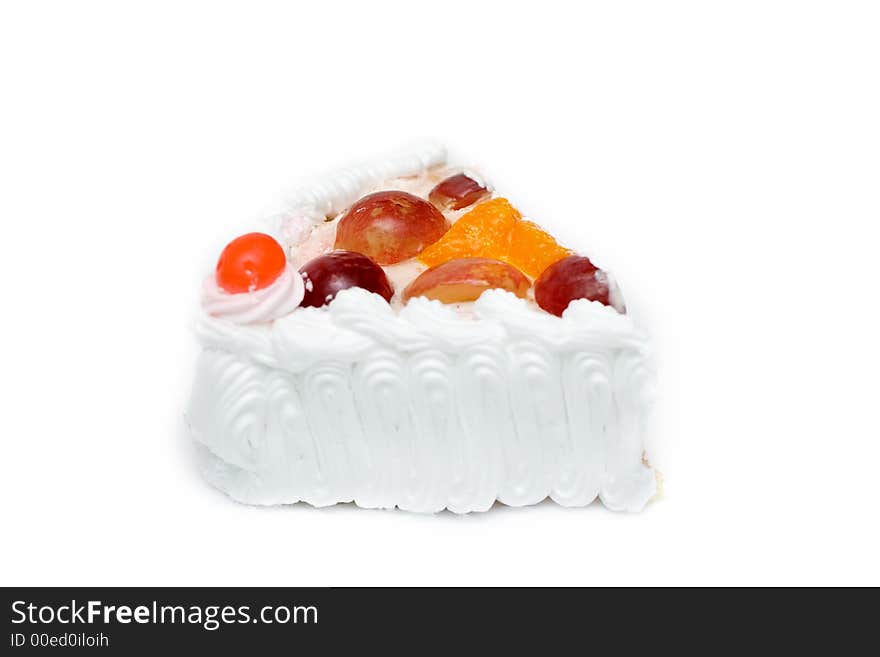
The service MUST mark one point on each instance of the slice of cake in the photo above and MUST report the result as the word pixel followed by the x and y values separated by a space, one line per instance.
pixel 400 336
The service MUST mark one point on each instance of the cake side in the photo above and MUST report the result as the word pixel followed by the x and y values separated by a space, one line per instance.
pixel 425 409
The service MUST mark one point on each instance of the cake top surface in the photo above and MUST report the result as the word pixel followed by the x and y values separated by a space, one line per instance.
pixel 407 229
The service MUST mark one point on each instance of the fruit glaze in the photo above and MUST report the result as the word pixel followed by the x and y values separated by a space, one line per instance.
pixel 400 336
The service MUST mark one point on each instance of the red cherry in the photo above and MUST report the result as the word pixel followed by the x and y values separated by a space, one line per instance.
pixel 574 277
pixel 326 275
pixel 250 262
pixel 457 192
pixel 390 226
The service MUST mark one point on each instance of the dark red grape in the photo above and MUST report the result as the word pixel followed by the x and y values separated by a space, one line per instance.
pixel 574 277
pixel 326 275
pixel 457 192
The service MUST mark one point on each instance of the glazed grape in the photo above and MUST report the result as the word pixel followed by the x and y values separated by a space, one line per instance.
pixel 390 226
pixel 457 192
pixel 574 277
pixel 250 262
pixel 465 279
pixel 327 274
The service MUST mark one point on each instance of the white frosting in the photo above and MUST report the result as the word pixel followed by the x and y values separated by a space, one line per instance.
pixel 425 407
pixel 401 275
pixel 271 302
pixel 320 240
pixel 615 297
pixel 324 197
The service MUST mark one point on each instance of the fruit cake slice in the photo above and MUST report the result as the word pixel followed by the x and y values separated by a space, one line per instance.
pixel 400 336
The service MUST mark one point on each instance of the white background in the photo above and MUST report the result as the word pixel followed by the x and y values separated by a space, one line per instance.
pixel 723 159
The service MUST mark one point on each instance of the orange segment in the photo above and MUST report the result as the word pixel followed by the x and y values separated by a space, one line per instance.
pixel 495 229
pixel 483 232
pixel 532 250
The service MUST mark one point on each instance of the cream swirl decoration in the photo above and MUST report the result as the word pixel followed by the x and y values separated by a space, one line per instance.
pixel 280 298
